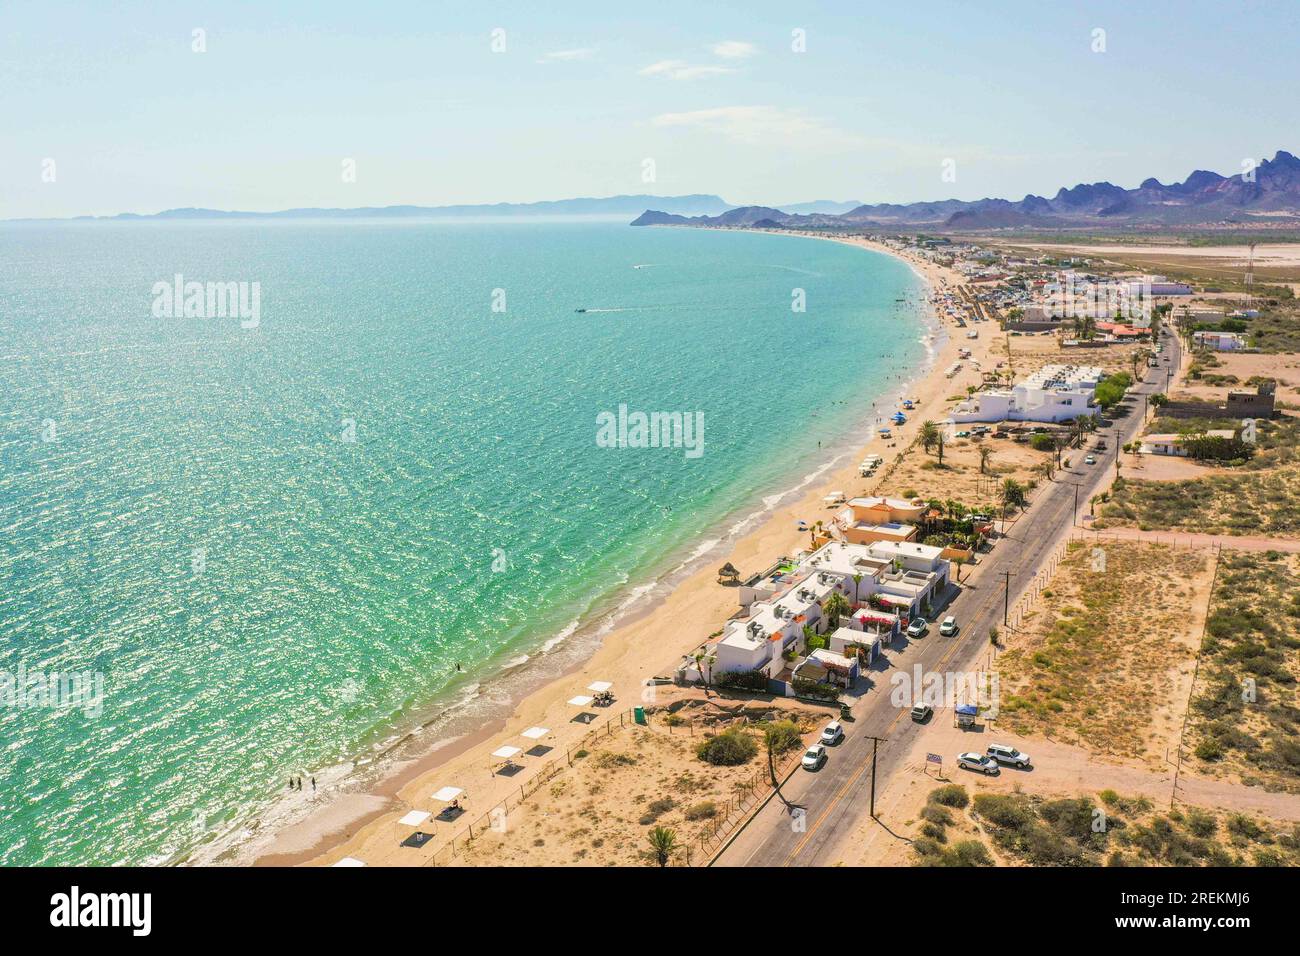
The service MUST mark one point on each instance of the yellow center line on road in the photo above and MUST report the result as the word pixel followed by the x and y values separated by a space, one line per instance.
pixel 839 794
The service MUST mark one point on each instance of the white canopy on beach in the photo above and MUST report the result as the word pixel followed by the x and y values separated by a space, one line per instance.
pixel 448 794
pixel 599 686
pixel 506 752
pixel 349 861
pixel 580 701
pixel 414 818
pixel 535 733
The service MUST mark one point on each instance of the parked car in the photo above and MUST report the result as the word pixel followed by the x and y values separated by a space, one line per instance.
pixel 917 628
pixel 815 756
pixel 1008 755
pixel 963 434
pixel 977 762
pixel 949 626
pixel 980 519
pixel 921 712
pixel 833 733
pixel 1090 460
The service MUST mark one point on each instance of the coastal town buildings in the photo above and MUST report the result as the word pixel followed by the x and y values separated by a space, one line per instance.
pixel 1054 393
pixel 883 582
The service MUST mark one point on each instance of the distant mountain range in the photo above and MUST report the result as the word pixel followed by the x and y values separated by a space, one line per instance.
pixel 1270 196
pixel 696 205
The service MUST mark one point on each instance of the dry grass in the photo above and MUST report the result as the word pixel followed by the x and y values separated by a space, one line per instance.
pixel 1102 663
pixel 1022 830
pixel 1244 718
pixel 1259 498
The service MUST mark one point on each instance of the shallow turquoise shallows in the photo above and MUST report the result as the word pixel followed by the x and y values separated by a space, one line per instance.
pixel 183 509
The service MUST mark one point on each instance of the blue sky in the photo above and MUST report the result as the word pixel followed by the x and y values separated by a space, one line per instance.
pixel 585 92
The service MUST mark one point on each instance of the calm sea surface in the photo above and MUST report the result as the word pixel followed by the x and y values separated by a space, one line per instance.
pixel 274 545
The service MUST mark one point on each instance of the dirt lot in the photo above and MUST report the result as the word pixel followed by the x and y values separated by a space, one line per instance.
pixel 1101 664
pixel 1245 722
pixel 1285 368
pixel 1265 822
pixel 599 812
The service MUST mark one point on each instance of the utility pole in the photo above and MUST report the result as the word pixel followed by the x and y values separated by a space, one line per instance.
pixel 875 743
pixel 1006 599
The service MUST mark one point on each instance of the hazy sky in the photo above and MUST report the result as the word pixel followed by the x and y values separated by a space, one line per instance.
pixel 584 93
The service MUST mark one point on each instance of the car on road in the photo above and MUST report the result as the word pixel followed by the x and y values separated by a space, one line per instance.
pixel 963 434
pixel 1090 460
pixel 833 733
pixel 917 628
pixel 815 756
pixel 949 626
pixel 979 763
pixel 1008 755
pixel 921 712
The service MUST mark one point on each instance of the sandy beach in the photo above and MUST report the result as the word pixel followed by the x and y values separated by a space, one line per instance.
pixel 347 822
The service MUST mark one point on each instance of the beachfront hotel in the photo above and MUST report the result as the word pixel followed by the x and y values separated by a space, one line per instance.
pixel 1055 393
pixel 898 577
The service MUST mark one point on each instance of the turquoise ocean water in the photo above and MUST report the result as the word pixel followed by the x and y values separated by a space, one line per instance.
pixel 181 510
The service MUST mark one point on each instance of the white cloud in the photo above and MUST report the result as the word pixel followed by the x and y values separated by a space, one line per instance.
pixel 565 56
pixel 680 70
pixel 734 49
pixel 762 125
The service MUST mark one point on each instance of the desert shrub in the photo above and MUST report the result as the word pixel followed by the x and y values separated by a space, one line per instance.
pixel 935 832
pixel 701 811
pixel 1200 823
pixel 1006 811
pixel 656 809
pixel 727 749
pixel 742 680
pixel 967 853
pixel 952 795
pixel 1240 825
pixel 933 813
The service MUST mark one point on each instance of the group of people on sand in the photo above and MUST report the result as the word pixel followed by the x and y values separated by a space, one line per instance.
pixel 295 783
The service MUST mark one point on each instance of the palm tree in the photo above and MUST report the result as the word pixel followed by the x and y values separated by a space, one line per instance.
pixel 958 562
pixel 1046 469
pixel 778 737
pixel 985 454
pixel 929 434
pixel 941 448
pixel 1012 494
pixel 835 607
pixel 704 662
pixel 663 844
pixel 1092 505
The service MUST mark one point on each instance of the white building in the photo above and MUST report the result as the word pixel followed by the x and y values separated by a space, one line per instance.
pixel 902 575
pixel 1055 393
pixel 1219 341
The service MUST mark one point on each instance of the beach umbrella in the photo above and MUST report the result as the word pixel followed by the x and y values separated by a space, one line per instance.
pixel 505 753
pixel 447 794
pixel 600 686
pixel 415 819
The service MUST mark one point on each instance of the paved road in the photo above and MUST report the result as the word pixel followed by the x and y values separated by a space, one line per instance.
pixel 839 794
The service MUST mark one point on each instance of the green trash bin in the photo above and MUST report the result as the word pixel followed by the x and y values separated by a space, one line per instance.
pixel 639 714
